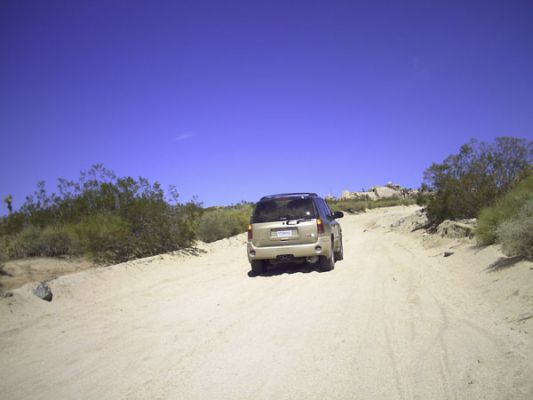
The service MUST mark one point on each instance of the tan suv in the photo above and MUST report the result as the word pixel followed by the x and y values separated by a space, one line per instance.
pixel 294 227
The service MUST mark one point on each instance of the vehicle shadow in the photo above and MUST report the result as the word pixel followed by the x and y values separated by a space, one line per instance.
pixel 289 268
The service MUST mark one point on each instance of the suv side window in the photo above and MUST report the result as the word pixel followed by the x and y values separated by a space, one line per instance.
pixel 318 207
pixel 322 207
pixel 328 210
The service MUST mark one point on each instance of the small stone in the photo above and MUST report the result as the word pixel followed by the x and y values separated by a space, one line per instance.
pixel 447 253
pixel 43 292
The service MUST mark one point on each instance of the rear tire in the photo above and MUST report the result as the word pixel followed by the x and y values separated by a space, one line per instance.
pixel 339 255
pixel 258 267
pixel 328 263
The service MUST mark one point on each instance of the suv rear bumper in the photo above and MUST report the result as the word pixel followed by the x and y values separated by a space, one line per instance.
pixel 296 250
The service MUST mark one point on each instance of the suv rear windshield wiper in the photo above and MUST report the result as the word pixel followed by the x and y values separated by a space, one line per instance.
pixel 296 220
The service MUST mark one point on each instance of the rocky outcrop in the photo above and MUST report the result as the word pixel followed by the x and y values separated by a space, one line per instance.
pixel 388 191
pixel 370 195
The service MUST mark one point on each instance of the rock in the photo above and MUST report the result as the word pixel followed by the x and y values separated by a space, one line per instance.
pixel 447 253
pixel 394 186
pixel 412 222
pixel 386 192
pixel 346 195
pixel 365 195
pixel 43 291
pixel 455 229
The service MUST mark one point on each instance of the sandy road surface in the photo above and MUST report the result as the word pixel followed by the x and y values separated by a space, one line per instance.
pixel 394 320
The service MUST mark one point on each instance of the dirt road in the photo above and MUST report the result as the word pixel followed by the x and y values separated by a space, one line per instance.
pixel 394 320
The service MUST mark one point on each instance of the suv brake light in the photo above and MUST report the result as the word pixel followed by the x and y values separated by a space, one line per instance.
pixel 319 226
pixel 250 234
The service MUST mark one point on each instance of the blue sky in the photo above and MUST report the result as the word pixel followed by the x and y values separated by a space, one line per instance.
pixel 231 100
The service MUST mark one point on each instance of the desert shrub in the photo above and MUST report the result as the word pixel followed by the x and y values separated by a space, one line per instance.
pixel 187 221
pixel 158 227
pixel 220 223
pixel 27 243
pixel 103 237
pixel 487 224
pixel 3 252
pixel 424 196
pixel 505 208
pixel 466 182
pixel 348 205
pixel 103 216
pixel 392 202
pixel 516 233
pixel 37 242
pixel 55 241
pixel 12 224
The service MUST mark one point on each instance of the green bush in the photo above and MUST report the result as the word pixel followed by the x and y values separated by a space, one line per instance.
pixel 223 222
pixel 55 241
pixel 12 224
pixel 27 243
pixel 390 203
pixel 348 205
pixel 466 182
pixel 103 237
pixel 505 208
pixel 3 252
pixel 36 242
pixel 423 198
pixel 516 234
pixel 487 224
pixel 102 216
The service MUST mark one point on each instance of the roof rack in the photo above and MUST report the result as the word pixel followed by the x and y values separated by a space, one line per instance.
pixel 277 196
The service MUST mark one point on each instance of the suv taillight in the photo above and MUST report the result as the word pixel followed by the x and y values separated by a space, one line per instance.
pixel 319 226
pixel 250 234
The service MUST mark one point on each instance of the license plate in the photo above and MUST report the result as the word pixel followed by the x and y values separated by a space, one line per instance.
pixel 284 234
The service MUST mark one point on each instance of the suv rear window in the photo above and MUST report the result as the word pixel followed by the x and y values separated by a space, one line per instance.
pixel 283 209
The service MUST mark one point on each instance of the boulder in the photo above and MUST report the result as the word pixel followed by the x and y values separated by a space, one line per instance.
pixel 346 194
pixel 411 223
pixel 456 229
pixel 394 186
pixel 43 291
pixel 386 192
